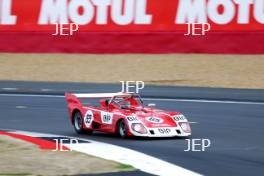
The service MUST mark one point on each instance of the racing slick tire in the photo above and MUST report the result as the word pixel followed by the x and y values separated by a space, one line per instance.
pixel 78 124
pixel 122 129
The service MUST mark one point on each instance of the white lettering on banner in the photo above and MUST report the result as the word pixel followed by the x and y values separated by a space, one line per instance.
pixel 141 16
pixel 102 11
pixel 88 11
pixel 221 18
pixel 127 16
pixel 5 13
pixel 259 11
pixel 199 11
pixel 53 12
pixel 243 10
pixel 123 12
pixel 191 11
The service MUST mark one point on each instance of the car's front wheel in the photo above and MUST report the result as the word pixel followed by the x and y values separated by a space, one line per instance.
pixel 122 129
pixel 78 124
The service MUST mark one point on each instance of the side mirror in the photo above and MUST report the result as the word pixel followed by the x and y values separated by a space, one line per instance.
pixel 151 104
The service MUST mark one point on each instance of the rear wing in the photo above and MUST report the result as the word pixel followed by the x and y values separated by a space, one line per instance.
pixel 99 95
pixel 75 97
pixel 72 99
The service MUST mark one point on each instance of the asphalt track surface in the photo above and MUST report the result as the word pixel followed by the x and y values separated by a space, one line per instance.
pixel 235 128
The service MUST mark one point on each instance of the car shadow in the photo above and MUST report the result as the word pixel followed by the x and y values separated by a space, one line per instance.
pixel 101 135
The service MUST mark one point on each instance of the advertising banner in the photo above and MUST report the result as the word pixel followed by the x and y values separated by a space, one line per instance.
pixel 131 15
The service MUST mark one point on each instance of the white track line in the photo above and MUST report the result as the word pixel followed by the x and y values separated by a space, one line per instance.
pixel 123 155
pixel 46 90
pixel 204 101
pixel 149 99
pixel 33 95
pixel 9 88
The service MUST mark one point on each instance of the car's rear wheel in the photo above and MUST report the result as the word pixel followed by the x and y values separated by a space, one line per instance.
pixel 78 124
pixel 122 129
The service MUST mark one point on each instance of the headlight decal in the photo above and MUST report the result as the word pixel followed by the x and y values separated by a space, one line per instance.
pixel 185 127
pixel 139 128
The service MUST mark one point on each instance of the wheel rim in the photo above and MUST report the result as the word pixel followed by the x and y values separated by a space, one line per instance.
pixel 78 122
pixel 122 129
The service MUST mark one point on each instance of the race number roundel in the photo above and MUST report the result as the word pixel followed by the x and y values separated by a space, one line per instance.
pixel 88 119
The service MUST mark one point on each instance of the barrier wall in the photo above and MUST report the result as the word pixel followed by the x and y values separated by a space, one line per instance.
pixel 132 26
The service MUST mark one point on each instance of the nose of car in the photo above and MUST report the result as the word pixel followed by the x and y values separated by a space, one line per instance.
pixel 158 121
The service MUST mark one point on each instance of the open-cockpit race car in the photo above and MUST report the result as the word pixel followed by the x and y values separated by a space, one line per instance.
pixel 123 114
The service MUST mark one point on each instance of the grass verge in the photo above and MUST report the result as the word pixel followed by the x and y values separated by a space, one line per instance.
pixel 20 158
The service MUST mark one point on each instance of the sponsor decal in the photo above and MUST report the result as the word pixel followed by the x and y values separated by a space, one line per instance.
pixel 132 118
pixel 160 125
pixel 106 117
pixel 179 117
pixel 164 130
pixel 88 119
pixel 154 119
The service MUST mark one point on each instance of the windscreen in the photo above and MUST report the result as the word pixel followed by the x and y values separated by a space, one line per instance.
pixel 126 102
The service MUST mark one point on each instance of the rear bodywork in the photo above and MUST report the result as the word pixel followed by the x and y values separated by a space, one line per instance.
pixel 140 120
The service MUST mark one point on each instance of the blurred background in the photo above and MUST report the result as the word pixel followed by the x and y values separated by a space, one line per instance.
pixel 113 40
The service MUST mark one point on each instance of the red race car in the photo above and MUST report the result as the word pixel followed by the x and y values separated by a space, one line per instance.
pixel 123 114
